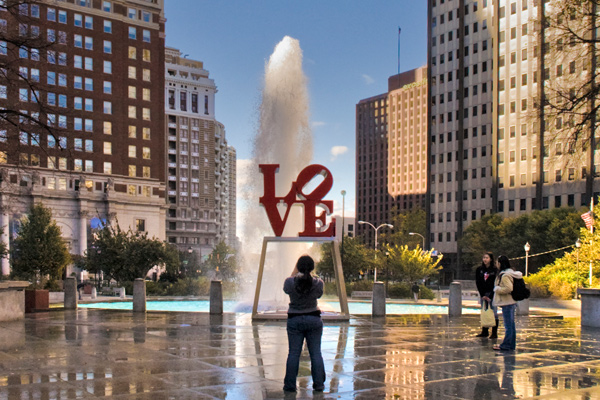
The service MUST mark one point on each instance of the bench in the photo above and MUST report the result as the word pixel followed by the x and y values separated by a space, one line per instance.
pixel 111 291
pixel 466 294
pixel 362 294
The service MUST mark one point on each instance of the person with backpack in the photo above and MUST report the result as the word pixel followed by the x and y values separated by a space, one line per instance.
pixel 485 278
pixel 304 323
pixel 505 283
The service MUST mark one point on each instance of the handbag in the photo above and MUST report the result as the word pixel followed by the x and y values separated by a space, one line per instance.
pixel 488 319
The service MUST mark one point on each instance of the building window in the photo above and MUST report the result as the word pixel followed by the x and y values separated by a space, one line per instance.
pixel 107 26
pixel 132 112
pixel 107 167
pixel 146 153
pixel 108 46
pixel 132 33
pixel 132 151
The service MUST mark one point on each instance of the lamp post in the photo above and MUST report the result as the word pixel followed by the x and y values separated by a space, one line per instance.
pixel 577 246
pixel 343 221
pixel 376 230
pixel 527 247
pixel 422 237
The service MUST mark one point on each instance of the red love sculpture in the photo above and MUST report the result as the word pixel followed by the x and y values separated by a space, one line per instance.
pixel 310 201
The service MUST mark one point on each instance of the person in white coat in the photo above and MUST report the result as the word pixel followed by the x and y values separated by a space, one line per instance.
pixel 503 298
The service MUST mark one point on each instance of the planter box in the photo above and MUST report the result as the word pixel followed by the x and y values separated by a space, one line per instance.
pixel 37 300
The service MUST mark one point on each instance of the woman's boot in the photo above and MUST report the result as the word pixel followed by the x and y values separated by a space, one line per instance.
pixel 484 332
pixel 494 334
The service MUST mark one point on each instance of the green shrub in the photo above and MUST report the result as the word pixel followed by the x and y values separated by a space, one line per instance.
pixel 399 290
pixel 53 286
pixel 426 293
pixel 155 288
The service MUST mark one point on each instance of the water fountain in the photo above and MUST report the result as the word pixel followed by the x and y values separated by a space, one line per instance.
pixel 283 137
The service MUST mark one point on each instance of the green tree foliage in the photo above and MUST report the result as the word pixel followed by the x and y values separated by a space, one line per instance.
pixel 563 277
pixel 126 255
pixel 405 222
pixel 544 230
pixel 39 251
pixel 222 262
pixel 356 258
pixel 410 265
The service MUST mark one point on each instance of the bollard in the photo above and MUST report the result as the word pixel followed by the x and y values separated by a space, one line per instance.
pixel 94 293
pixel 455 300
pixel 139 295
pixel 378 299
pixel 439 296
pixel 523 307
pixel 216 298
pixel 122 292
pixel 70 294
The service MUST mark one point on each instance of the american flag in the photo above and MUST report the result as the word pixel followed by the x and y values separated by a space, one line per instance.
pixel 588 218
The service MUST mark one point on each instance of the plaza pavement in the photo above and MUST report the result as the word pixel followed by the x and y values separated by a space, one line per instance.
pixel 90 354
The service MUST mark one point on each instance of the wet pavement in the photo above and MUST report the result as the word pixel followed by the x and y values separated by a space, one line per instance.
pixel 89 354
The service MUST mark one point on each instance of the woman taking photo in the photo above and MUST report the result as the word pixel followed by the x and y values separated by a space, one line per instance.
pixel 304 322
pixel 485 278
pixel 503 298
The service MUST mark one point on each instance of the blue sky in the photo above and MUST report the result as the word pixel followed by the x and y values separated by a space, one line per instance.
pixel 350 49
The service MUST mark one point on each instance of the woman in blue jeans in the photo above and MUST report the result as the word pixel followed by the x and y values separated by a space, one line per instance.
pixel 503 298
pixel 304 322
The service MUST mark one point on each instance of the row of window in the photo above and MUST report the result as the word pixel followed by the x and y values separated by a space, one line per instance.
pixel 448 117
pixel 474 133
pixel 449 96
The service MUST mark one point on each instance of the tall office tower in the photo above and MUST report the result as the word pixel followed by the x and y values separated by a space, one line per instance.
pixel 461 114
pixel 82 115
pixel 372 198
pixel 224 180
pixel 407 147
pixel 391 156
pixel 232 195
pixel 493 148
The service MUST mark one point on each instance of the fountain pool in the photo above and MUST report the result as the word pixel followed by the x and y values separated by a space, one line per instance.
pixel 356 308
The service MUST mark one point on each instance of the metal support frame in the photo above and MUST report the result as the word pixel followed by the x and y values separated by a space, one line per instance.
pixel 337 268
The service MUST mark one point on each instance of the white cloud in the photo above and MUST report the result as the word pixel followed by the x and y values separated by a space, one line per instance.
pixel 368 79
pixel 337 151
pixel 316 124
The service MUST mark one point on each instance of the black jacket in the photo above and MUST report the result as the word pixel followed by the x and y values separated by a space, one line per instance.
pixel 485 287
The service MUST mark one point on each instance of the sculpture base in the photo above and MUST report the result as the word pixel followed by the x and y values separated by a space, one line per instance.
pixel 281 315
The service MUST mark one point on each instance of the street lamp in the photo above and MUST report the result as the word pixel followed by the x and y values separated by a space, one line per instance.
pixel 578 246
pixel 527 247
pixel 343 217
pixel 422 237
pixel 376 229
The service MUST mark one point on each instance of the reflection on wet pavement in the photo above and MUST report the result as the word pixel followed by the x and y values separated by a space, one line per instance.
pixel 106 354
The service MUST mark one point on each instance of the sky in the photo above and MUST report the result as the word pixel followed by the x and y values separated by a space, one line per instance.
pixel 350 49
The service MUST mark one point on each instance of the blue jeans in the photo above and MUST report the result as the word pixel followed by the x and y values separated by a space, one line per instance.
pixel 510 331
pixel 307 327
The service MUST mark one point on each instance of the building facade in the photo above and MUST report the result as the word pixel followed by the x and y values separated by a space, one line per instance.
pixel 84 84
pixel 391 155
pixel 492 147
pixel 199 160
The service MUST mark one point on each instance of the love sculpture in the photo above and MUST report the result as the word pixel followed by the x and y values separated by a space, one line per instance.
pixel 314 224
pixel 296 195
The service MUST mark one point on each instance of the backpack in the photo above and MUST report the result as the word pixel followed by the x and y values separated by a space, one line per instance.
pixel 520 291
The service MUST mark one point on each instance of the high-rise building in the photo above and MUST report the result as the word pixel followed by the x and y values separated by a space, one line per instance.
pixel 391 155
pixel 231 238
pixel 492 147
pixel 84 80
pixel 199 160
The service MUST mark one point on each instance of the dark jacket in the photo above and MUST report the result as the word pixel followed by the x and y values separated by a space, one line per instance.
pixel 303 303
pixel 485 287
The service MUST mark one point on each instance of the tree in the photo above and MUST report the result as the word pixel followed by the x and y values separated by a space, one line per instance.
pixel 404 223
pixel 127 255
pixel 27 111
pixel 39 249
pixel 567 111
pixel 222 262
pixel 356 258
pixel 544 230
pixel 411 265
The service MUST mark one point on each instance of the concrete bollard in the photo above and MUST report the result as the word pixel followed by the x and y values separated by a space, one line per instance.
pixel 455 300
pixel 70 294
pixel 590 307
pixel 139 295
pixel 122 292
pixel 94 293
pixel 216 298
pixel 523 307
pixel 378 299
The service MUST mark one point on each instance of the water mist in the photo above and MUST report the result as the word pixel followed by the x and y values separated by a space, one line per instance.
pixel 283 138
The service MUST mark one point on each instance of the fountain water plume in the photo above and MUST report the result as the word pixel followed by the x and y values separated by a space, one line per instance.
pixel 284 137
